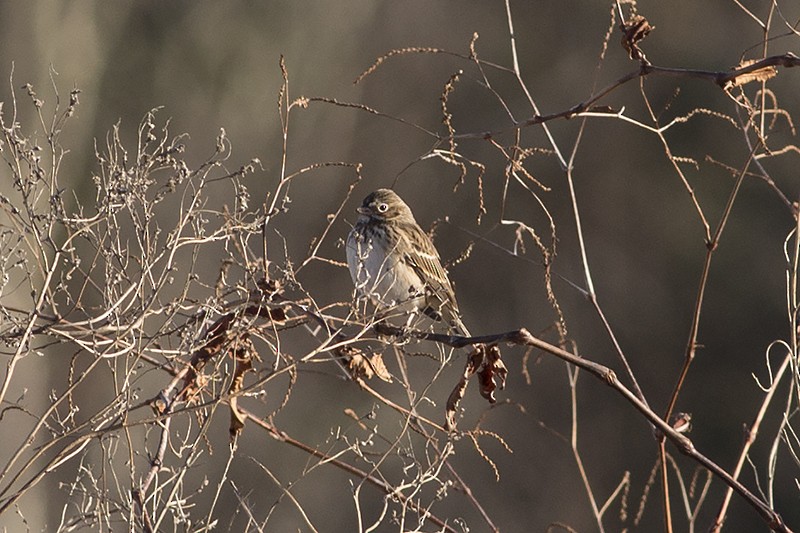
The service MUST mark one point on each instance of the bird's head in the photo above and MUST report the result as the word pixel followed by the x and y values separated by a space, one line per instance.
pixel 384 204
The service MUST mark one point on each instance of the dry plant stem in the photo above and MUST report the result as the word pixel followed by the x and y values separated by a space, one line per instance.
pixel 217 331
pixel 683 444
pixel 674 162
pixel 357 472
pixel 283 112
pixel 32 435
pixel 718 77
pixel 411 416
pixel 69 451
pixel 222 481
pixel 158 459
pixel 794 303
pixel 591 294
pixel 524 87
pixel 462 485
pixel 139 495
pixel 23 342
pixel 252 521
pixel 174 496
pixel 291 497
pixel 762 107
pixel 700 494
pixel 665 502
pixel 605 374
pixel 573 388
pixel 618 348
pixel 471 497
pixel 722 78
pixel 711 246
pixel 393 444
pixel 371 111
pixel 568 167
pixel 750 438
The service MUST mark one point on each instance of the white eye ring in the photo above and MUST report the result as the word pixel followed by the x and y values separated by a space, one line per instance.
pixel 383 208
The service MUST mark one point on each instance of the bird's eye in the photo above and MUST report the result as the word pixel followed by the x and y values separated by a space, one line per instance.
pixel 383 208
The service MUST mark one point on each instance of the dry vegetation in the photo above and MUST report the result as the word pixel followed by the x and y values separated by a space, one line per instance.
pixel 176 304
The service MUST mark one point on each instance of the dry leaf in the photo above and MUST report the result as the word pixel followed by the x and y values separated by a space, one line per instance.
pixel 761 74
pixel 237 420
pixel 363 366
pixel 486 362
pixel 493 374
pixel 474 362
pixel 243 353
pixel 634 31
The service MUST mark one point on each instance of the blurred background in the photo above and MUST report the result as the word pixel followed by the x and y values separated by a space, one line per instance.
pixel 212 65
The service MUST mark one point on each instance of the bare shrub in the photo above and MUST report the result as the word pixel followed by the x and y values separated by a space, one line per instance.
pixel 174 301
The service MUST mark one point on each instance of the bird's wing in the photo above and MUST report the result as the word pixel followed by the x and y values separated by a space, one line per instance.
pixel 425 261
pixel 440 299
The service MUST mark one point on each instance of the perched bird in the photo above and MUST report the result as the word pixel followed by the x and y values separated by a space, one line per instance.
pixel 393 262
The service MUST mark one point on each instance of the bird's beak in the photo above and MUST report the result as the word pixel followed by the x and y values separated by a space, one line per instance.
pixel 363 210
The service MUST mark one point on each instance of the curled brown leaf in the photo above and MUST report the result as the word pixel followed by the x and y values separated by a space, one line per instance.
pixel 474 362
pixel 485 361
pixel 365 366
pixel 492 374
pixel 747 76
pixel 634 31
pixel 243 354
